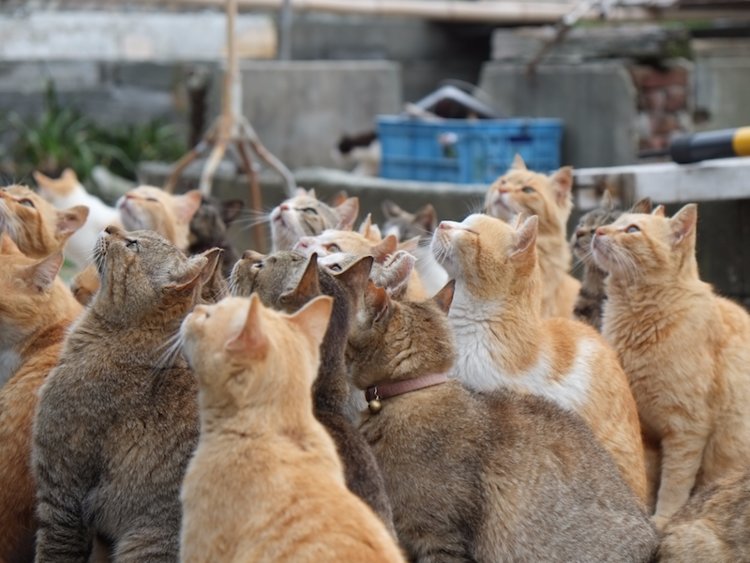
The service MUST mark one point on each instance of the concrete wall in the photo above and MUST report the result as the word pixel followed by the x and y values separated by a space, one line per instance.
pixel 301 109
pixel 595 99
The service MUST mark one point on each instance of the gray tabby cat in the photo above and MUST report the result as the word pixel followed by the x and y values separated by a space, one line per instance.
pixel 487 476
pixel 305 215
pixel 590 303
pixel 117 419
pixel 287 281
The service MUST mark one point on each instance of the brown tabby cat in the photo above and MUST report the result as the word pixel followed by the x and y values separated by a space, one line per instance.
pixel 35 225
pixel 117 419
pixel 685 350
pixel 590 302
pixel 547 197
pixel 712 526
pixel 305 215
pixel 482 477
pixel 503 341
pixel 35 313
pixel 265 483
pixel 286 281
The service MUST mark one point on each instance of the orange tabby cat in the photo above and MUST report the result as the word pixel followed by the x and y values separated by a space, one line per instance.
pixel 504 342
pixel 547 197
pixel 685 350
pixel 265 482
pixel 153 209
pixel 35 313
pixel 34 224
pixel 332 241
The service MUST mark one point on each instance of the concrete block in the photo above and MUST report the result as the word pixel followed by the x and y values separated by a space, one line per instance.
pixel 596 100
pixel 300 109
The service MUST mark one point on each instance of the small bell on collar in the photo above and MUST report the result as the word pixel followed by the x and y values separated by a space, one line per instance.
pixel 375 405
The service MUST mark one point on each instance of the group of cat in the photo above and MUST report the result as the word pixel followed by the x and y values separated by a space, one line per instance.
pixel 419 392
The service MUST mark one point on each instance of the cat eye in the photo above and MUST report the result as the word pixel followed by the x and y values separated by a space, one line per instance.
pixel 310 210
pixel 632 229
pixel 333 247
pixel 334 267
pixel 257 266
pixel 131 243
pixel 528 190
pixel 151 199
pixel 26 202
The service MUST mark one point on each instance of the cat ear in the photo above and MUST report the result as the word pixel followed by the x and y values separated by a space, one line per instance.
pixel 410 245
pixel 525 236
pixel 251 342
pixel 70 175
pixel 395 276
pixel 518 163
pixel 386 247
pixel 365 229
pixel 377 301
pixel 308 285
pixel 563 184
pixel 390 209
pixel 339 198
pixel 314 317
pixel 426 218
pixel 230 210
pixel 347 213
pixel 444 297
pixel 357 274
pixel 311 193
pixel 644 205
pixel 199 270
pixel 608 202
pixel 7 245
pixel 70 220
pixel 683 223
pixel 659 211
pixel 42 180
pixel 518 220
pixel 187 204
pixel 42 274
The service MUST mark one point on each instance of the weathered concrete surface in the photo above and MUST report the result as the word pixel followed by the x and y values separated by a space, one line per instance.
pixel 130 36
pixel 722 81
pixel 301 109
pixel 595 99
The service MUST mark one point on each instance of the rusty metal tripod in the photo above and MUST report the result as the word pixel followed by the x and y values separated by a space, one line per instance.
pixel 232 129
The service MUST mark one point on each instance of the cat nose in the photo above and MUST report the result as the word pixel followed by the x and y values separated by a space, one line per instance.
pixel 444 225
pixel 252 255
pixel 284 207
pixel 600 232
pixel 304 242
pixel 112 230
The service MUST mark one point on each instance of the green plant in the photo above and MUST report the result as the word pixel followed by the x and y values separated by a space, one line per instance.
pixel 61 137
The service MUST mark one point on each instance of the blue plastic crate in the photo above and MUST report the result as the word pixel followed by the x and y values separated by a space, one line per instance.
pixel 465 151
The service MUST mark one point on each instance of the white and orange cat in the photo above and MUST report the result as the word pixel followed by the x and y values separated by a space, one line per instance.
pixel 305 215
pixel 66 191
pixel 549 198
pixel 37 228
pixel 357 245
pixel 265 482
pixel 685 350
pixel 504 342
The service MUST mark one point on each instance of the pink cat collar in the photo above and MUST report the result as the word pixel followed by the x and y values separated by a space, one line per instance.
pixel 375 393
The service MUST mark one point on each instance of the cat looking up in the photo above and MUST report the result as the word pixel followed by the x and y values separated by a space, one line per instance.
pixel 37 228
pixel 590 302
pixel 305 215
pixel 66 191
pixel 520 478
pixel 265 483
pixel 286 281
pixel 35 314
pixel 117 419
pixel 504 342
pixel 685 350
pixel 547 197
